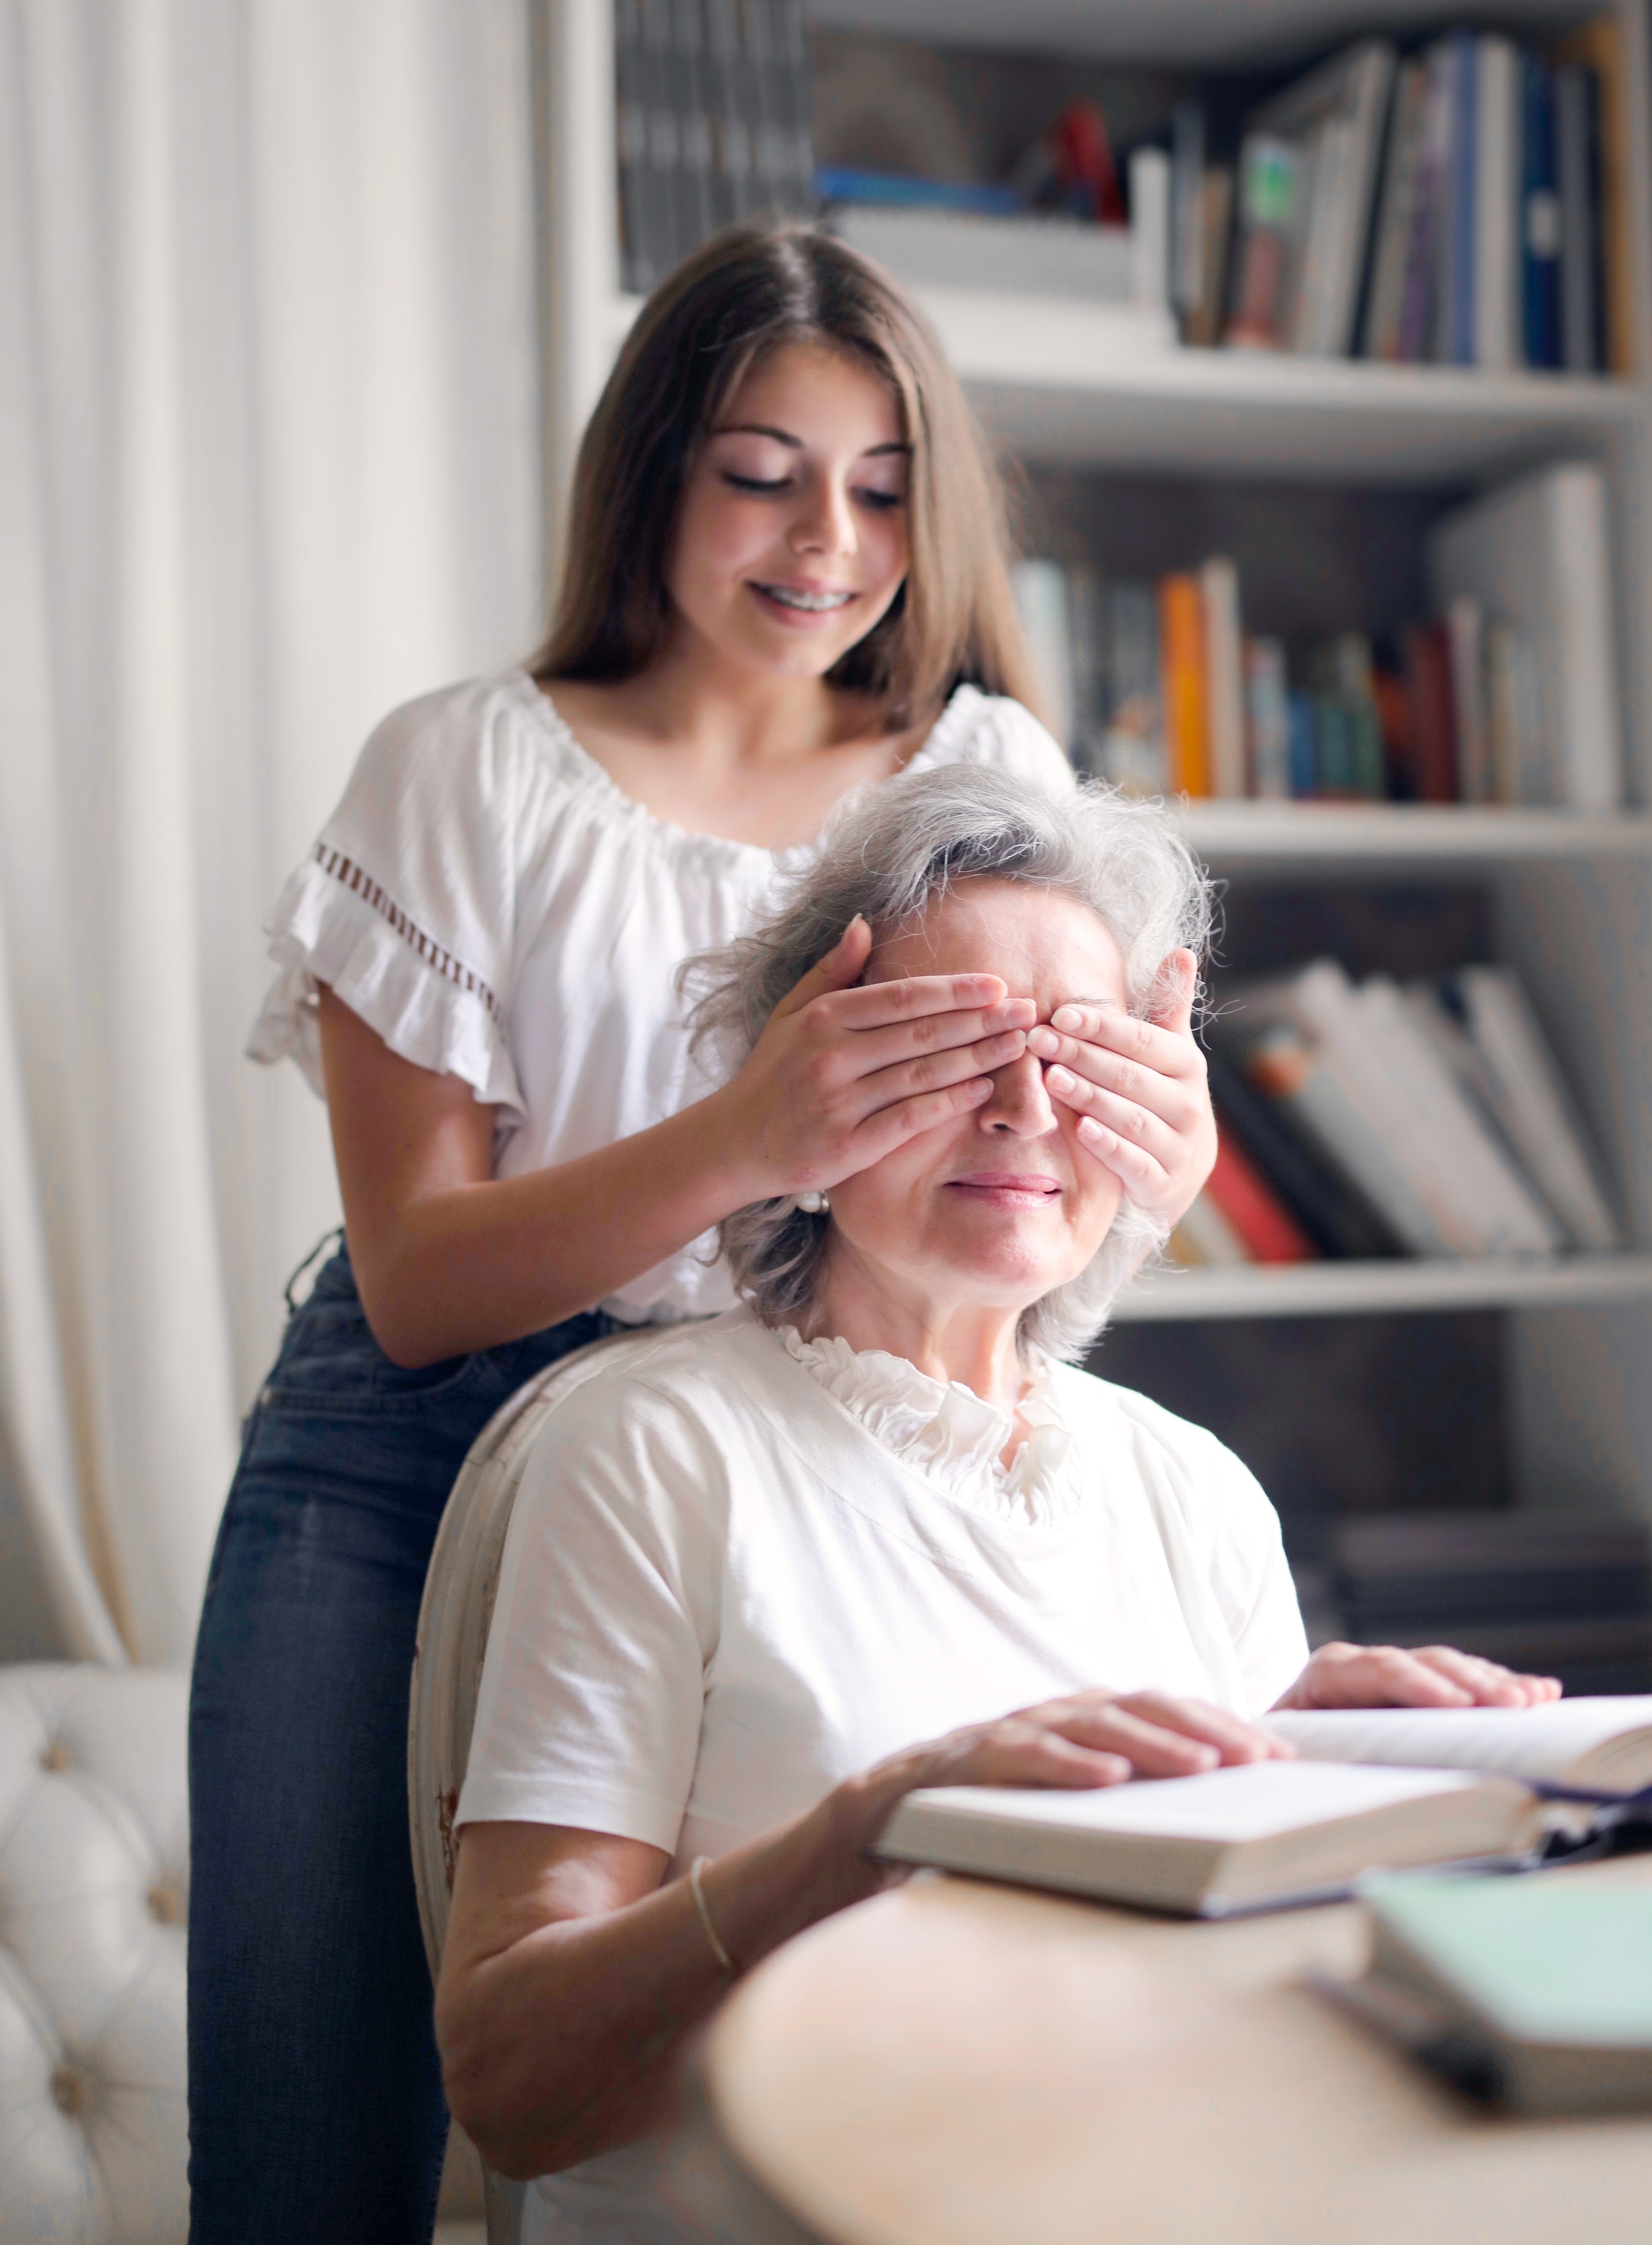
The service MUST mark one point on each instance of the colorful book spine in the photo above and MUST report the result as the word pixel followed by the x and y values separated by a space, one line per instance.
pixel 1224 675
pixel 1268 719
pixel 1187 709
pixel 1261 1221
pixel 1433 717
pixel 1541 229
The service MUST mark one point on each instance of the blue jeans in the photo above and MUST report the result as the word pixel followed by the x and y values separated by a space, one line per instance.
pixel 315 2106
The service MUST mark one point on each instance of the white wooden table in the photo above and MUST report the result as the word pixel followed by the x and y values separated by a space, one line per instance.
pixel 961 2064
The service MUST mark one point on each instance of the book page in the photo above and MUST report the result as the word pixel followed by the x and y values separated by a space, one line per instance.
pixel 1257 1801
pixel 1546 1743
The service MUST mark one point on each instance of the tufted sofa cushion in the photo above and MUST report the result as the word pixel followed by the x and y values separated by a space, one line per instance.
pixel 93 1899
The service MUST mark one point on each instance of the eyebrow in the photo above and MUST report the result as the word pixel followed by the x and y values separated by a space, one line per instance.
pixel 795 443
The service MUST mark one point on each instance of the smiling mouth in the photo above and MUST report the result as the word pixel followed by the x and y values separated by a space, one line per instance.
pixel 1007 1186
pixel 813 604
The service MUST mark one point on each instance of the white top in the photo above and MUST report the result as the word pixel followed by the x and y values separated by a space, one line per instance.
pixel 489 901
pixel 741 1568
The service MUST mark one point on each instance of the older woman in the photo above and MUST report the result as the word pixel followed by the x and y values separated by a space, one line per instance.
pixel 877 1505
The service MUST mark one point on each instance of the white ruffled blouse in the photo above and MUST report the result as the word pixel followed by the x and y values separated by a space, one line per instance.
pixel 949 1433
pixel 490 902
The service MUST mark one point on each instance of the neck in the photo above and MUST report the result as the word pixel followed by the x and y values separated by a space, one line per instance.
pixel 731 714
pixel 948 1338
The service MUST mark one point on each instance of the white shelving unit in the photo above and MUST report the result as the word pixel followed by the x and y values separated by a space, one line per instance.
pixel 1571 897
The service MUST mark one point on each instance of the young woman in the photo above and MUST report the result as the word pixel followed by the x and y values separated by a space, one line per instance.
pixel 785 580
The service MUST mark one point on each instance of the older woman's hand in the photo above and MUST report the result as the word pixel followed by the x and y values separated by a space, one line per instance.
pixel 1427 1676
pixel 1139 1090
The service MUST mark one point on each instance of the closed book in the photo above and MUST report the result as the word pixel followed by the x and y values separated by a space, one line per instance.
pixel 1599 43
pixel 1133 754
pixel 1329 1111
pixel 1497 204
pixel 1391 238
pixel 1338 1220
pixel 1338 112
pixel 1267 719
pixel 1207 1846
pixel 1270 198
pixel 1150 177
pixel 1540 226
pixel 1224 675
pixel 1514 715
pixel 1187 718
pixel 1454 286
pixel 1427 653
pixel 1577 173
pixel 1528 1095
pixel 1302 721
pixel 1429 211
pixel 1534 1995
pixel 1478 1199
pixel 1465 634
pixel 1204 324
pixel 1186 211
pixel 1537 553
pixel 1263 1223
pixel 642 233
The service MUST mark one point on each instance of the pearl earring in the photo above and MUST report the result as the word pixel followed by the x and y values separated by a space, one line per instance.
pixel 814 1203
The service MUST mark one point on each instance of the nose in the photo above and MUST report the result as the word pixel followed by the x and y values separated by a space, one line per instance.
pixel 824 522
pixel 1020 1107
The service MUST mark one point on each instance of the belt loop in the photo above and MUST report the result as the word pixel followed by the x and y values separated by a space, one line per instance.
pixel 314 1256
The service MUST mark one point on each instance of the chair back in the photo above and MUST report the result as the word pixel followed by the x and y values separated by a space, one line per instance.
pixel 454 1620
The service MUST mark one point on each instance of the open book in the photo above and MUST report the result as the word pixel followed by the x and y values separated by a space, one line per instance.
pixel 1268 1832
pixel 1593 1745
pixel 1380 1788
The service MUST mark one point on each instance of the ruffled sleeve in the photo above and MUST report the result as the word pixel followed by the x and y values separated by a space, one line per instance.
pixel 405 906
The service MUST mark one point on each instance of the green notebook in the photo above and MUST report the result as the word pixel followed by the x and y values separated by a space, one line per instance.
pixel 1536 1992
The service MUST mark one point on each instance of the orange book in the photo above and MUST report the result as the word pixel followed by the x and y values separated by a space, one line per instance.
pixel 1599 43
pixel 1254 1211
pixel 1187 688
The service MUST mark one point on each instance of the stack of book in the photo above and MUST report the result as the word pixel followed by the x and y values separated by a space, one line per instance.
pixel 1466 206
pixel 1508 694
pixel 713 123
pixel 1550 1594
pixel 1372 1119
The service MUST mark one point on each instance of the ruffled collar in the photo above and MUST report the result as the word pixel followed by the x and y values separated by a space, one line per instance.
pixel 948 1433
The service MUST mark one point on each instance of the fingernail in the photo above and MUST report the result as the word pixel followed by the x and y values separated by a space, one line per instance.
pixel 1067 1017
pixel 1044 1040
pixel 1060 1078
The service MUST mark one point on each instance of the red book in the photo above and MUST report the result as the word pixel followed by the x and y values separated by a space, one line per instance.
pixel 1433 714
pixel 1254 1210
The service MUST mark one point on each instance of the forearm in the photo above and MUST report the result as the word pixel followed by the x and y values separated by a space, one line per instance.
pixel 473 1265
pixel 563 2043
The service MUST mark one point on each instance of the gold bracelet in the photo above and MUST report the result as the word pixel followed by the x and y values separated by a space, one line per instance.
pixel 699 1892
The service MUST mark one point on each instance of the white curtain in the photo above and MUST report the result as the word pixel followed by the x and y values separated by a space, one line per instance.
pixel 269 464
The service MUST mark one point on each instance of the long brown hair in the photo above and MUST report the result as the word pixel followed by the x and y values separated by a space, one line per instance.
pixel 746 293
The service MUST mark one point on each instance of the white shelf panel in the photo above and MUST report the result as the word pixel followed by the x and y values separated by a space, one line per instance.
pixel 1303 1290
pixel 1174 33
pixel 1318 834
pixel 1052 380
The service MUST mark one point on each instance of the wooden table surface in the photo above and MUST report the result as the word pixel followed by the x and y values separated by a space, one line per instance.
pixel 962 2063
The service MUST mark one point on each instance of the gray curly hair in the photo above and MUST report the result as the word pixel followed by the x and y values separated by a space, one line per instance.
pixel 889 853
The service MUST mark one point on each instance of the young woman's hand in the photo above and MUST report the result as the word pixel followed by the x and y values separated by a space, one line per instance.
pixel 840 1076
pixel 1428 1676
pixel 1140 1092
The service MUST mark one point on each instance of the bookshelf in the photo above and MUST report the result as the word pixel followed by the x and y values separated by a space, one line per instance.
pixel 1569 897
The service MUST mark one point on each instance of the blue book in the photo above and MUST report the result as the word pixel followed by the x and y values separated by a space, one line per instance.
pixel 1458 307
pixel 1539 217
pixel 1304 745
pixel 842 183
